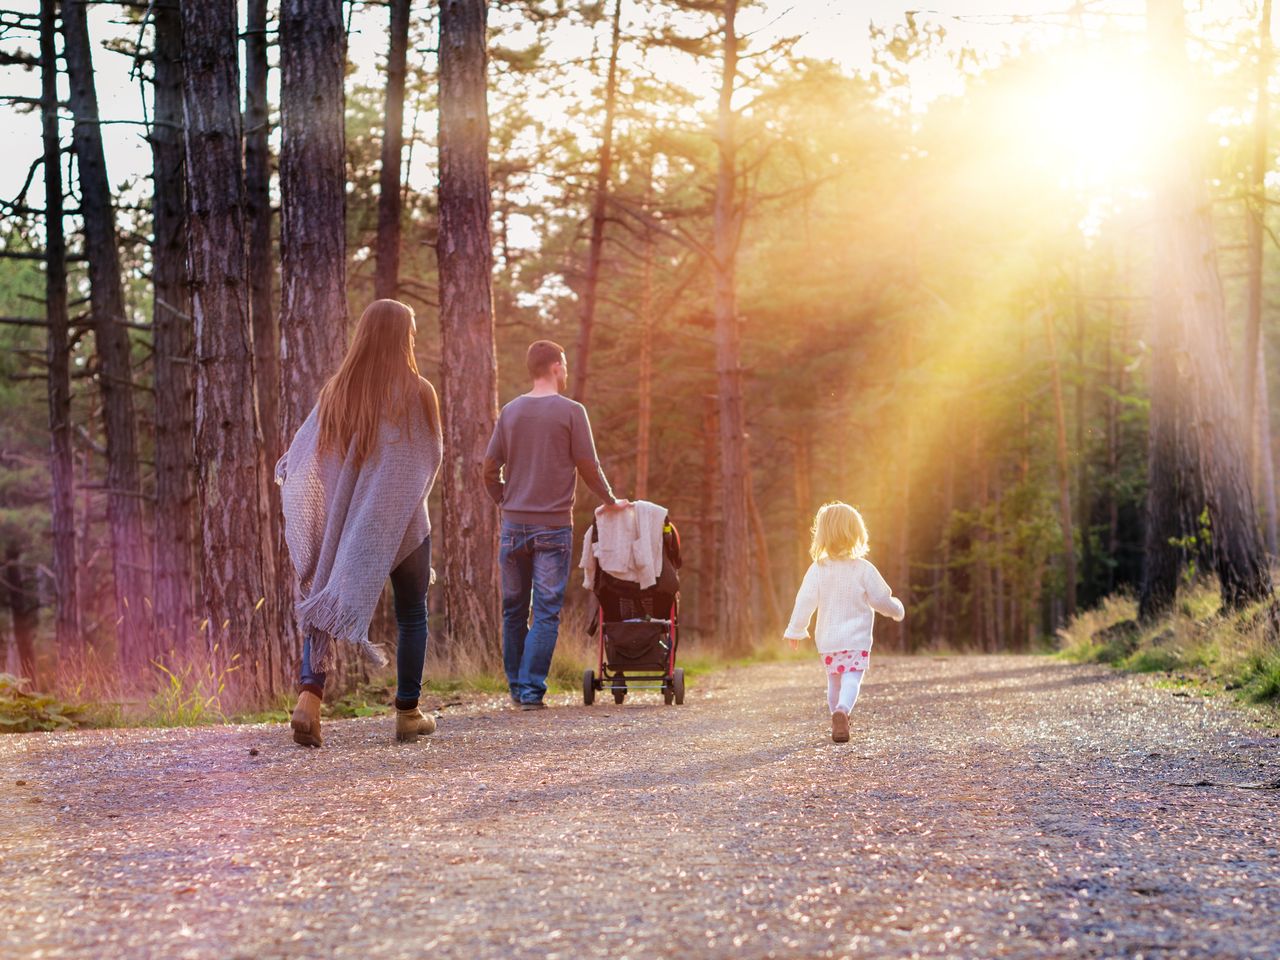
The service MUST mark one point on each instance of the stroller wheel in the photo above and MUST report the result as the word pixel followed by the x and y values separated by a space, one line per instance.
pixel 619 696
pixel 668 692
pixel 619 688
pixel 589 687
pixel 677 685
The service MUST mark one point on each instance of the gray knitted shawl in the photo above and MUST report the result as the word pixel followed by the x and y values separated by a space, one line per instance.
pixel 349 526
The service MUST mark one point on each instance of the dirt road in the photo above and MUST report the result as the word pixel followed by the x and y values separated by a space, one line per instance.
pixel 987 807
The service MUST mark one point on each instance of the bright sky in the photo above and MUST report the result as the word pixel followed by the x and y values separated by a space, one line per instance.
pixel 831 29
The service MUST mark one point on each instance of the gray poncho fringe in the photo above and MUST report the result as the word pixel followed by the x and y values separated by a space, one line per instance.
pixel 349 526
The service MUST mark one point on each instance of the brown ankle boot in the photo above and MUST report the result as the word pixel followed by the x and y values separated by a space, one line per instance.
pixel 840 727
pixel 306 720
pixel 411 724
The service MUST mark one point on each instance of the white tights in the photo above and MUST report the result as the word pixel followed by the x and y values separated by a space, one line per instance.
pixel 842 690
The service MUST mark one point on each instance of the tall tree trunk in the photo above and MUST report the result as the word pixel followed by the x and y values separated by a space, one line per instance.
pixel 1083 506
pixel 738 634
pixel 313 302
pixel 58 354
pixel 999 587
pixel 231 472
pixel 802 483
pixel 286 644
pixel 24 607
pixel 763 566
pixel 130 564
pixel 1173 474
pixel 1257 216
pixel 903 585
pixel 1265 458
pixel 708 527
pixel 262 258
pixel 468 362
pixel 1112 379
pixel 945 617
pixel 1064 468
pixel 1189 266
pixel 386 279
pixel 174 545
pixel 644 386
pixel 313 284
pixel 599 205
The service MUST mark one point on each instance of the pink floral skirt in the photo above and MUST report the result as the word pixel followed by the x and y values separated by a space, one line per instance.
pixel 846 661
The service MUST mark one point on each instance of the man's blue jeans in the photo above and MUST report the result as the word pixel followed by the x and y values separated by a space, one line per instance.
pixel 535 567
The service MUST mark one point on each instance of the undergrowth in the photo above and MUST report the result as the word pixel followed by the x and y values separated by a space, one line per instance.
pixel 1196 642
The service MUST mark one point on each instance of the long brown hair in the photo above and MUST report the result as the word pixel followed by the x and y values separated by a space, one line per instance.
pixel 378 371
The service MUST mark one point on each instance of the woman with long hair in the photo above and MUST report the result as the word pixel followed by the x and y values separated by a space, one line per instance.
pixel 355 483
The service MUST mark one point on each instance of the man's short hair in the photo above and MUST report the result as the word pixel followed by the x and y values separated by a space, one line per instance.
pixel 542 355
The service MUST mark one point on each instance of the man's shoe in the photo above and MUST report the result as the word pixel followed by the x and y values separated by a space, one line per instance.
pixel 840 727
pixel 412 724
pixel 532 705
pixel 306 720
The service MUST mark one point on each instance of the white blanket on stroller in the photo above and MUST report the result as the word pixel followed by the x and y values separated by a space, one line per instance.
pixel 629 545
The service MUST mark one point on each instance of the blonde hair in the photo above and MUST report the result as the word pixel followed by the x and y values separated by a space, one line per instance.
pixel 378 372
pixel 838 533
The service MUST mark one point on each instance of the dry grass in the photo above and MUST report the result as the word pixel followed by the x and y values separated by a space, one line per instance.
pixel 1197 642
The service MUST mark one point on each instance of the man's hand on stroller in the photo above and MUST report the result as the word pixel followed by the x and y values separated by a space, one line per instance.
pixel 618 505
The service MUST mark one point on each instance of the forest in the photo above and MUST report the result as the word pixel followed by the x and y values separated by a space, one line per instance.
pixel 1006 281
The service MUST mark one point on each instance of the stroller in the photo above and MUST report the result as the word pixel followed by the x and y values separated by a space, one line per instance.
pixel 637 630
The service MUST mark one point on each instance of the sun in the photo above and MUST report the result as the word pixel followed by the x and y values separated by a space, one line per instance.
pixel 1096 121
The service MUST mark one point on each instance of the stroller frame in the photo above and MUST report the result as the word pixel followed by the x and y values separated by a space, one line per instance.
pixel 670 679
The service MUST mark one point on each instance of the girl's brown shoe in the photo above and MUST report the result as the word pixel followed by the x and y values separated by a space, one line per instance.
pixel 306 720
pixel 840 727
pixel 412 724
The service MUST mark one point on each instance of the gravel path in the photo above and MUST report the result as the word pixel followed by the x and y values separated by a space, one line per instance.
pixel 987 807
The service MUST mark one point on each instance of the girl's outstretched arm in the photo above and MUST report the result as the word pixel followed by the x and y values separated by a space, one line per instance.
pixel 880 597
pixel 806 604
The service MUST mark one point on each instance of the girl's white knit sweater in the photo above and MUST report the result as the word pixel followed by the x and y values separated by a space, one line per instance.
pixel 847 595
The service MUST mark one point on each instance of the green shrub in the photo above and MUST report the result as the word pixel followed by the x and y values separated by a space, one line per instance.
pixel 24 712
pixel 1152 660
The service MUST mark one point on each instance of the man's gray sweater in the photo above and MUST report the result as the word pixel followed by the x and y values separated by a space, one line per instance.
pixel 538 445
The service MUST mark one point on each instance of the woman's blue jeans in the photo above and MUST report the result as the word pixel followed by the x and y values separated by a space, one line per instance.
pixel 409 582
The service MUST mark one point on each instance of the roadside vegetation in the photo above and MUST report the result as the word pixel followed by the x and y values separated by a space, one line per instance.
pixel 1197 643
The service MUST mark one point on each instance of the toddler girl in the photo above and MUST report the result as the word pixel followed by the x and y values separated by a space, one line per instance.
pixel 847 591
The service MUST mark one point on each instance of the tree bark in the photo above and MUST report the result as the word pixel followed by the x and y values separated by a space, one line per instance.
pixel 1257 214
pixel 599 206
pixel 1083 506
pixel 708 527
pixel 1188 265
pixel 386 279
pixel 24 607
pixel 313 286
pixel 231 471
pixel 644 386
pixel 763 566
pixel 1264 458
pixel 802 483
pixel 468 364
pixel 173 550
pixel 262 259
pixel 738 634
pixel 130 564
pixel 903 586
pixel 1064 469
pixel 313 303
pixel 58 355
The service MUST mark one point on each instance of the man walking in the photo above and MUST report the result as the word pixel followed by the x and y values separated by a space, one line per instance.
pixel 541 441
